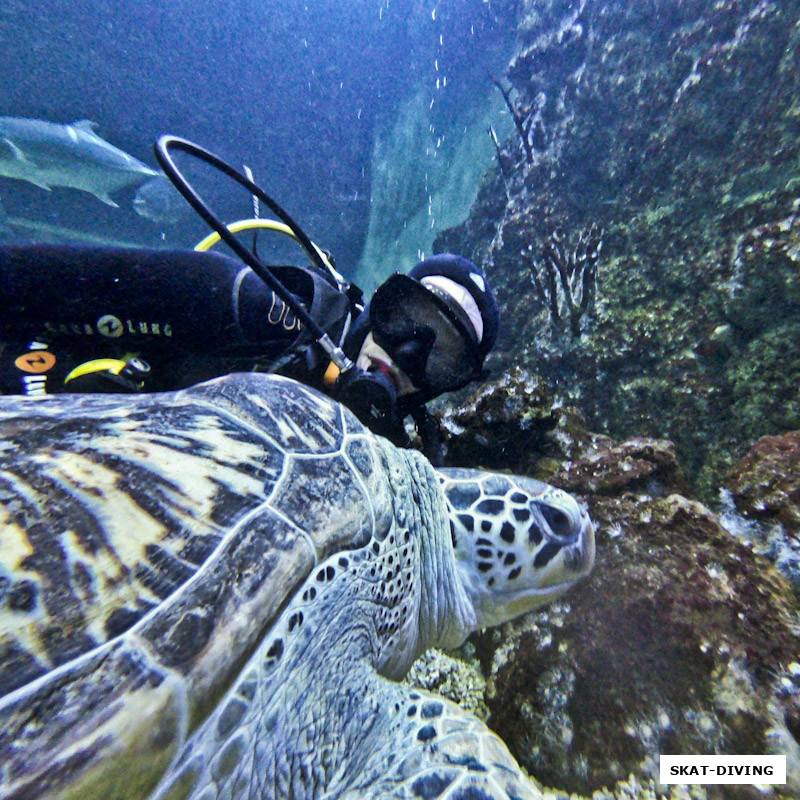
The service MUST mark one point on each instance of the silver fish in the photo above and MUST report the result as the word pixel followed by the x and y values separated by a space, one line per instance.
pixel 48 154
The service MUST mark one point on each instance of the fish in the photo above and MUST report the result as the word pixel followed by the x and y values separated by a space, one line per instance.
pixel 158 200
pixel 49 154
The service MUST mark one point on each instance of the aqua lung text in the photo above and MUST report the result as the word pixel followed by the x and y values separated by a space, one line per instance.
pixel 110 327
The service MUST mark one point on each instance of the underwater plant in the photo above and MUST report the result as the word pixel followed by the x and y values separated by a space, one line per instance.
pixel 565 277
pixel 524 122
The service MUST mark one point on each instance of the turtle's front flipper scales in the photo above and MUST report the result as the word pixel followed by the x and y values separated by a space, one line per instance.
pixel 437 750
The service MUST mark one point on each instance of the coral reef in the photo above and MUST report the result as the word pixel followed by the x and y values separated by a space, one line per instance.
pixel 766 483
pixel 683 640
pixel 636 465
pixel 565 278
pixel 761 499
pixel 677 644
pixel 673 125
pixel 513 424
pixel 453 678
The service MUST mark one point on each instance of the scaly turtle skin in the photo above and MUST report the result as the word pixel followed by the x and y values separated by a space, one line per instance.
pixel 206 594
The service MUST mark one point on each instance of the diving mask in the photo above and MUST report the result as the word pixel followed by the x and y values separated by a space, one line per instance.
pixel 428 335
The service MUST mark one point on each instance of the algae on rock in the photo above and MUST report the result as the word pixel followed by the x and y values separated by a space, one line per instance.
pixel 653 127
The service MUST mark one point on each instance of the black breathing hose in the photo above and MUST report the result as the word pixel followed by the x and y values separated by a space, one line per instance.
pixel 162 152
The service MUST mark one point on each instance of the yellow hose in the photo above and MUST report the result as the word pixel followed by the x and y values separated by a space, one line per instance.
pixel 113 365
pixel 265 224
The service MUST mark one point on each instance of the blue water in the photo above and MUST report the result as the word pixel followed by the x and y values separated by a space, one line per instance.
pixel 292 89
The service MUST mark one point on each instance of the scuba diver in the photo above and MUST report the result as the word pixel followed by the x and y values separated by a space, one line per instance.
pixel 111 319
pixel 107 319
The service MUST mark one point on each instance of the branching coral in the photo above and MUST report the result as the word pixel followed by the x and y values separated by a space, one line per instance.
pixel 523 122
pixel 565 277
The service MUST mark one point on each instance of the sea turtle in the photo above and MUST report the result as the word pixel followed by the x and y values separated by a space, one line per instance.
pixel 209 593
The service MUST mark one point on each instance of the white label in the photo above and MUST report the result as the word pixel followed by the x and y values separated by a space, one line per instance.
pixel 761 770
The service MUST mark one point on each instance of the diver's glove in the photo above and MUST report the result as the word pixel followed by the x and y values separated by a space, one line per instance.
pixel 372 398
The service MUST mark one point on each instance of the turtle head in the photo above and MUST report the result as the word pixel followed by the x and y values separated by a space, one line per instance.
pixel 518 542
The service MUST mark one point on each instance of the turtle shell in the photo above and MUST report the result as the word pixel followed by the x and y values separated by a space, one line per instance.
pixel 148 544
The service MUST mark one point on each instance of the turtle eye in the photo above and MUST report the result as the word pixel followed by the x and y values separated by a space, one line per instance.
pixel 560 523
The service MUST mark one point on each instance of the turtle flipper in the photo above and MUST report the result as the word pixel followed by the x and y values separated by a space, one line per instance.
pixel 440 751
